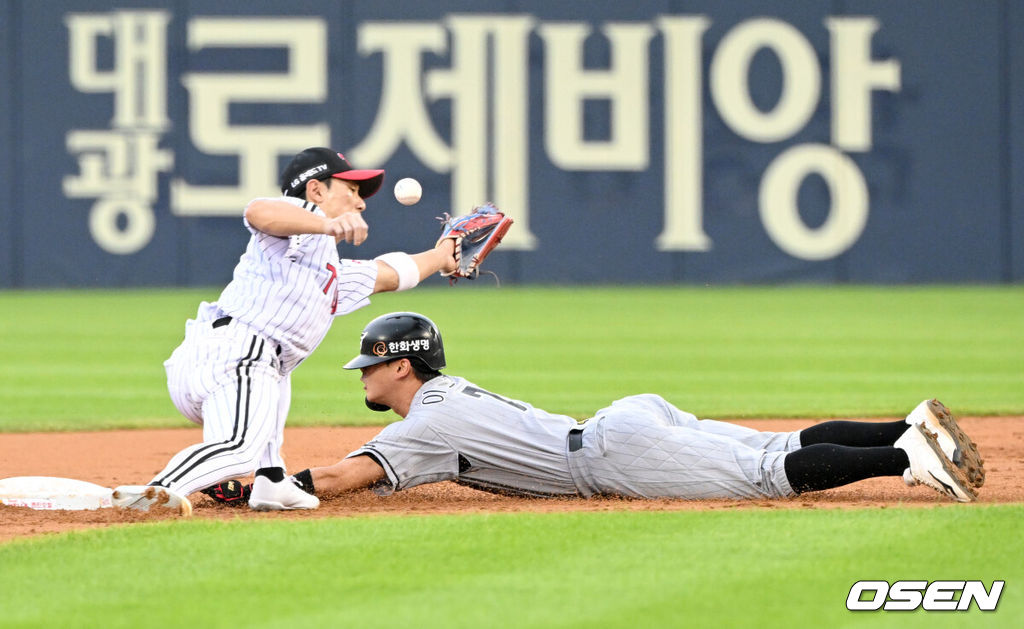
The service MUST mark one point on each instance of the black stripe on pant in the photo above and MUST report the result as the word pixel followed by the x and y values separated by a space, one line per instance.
pixel 237 439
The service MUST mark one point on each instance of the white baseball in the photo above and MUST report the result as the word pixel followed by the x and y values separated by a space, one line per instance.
pixel 408 191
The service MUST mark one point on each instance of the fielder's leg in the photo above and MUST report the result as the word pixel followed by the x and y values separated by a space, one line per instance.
pixel 273 456
pixel 272 489
pixel 239 419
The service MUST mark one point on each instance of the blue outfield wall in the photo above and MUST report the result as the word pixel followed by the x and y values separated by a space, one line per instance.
pixel 10 231
pixel 640 142
pixel 1012 161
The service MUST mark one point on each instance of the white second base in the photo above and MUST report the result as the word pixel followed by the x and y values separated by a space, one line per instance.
pixel 53 493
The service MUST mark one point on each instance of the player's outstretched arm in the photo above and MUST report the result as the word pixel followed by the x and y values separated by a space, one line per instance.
pixel 399 271
pixel 280 218
pixel 358 472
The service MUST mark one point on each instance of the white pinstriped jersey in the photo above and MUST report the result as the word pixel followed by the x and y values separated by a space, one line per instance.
pixel 291 288
pixel 457 431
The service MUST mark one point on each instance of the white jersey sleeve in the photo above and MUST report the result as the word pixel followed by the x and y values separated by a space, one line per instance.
pixel 356 280
pixel 458 431
pixel 290 288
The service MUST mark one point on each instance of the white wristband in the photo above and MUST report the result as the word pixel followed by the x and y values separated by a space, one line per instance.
pixel 405 266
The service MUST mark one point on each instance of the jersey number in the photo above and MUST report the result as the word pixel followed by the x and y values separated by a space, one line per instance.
pixel 331 282
pixel 475 392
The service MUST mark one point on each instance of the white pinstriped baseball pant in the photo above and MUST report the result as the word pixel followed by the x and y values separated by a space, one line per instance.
pixel 227 379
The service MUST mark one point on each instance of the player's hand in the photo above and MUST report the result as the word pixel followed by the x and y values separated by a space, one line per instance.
pixel 475 235
pixel 446 248
pixel 349 227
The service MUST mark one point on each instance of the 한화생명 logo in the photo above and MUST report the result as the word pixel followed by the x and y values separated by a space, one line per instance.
pixel 935 596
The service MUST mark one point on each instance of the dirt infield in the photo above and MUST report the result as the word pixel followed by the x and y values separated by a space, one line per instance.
pixel 133 457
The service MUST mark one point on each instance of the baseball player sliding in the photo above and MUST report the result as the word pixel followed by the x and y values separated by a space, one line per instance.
pixel 232 372
pixel 640 446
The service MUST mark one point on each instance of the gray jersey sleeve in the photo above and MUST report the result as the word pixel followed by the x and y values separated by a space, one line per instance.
pixel 456 430
pixel 412 453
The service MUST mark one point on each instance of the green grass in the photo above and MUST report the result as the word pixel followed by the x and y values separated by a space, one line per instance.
pixel 93 359
pixel 727 568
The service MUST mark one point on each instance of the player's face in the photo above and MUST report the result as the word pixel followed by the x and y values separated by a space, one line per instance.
pixel 374 381
pixel 340 197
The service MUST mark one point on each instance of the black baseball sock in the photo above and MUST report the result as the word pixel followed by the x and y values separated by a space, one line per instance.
pixel 826 465
pixel 854 434
pixel 305 481
pixel 274 474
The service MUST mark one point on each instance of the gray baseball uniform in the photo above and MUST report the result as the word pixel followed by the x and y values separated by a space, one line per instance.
pixel 640 446
pixel 232 372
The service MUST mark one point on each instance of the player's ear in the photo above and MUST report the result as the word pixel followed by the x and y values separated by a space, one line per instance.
pixel 315 190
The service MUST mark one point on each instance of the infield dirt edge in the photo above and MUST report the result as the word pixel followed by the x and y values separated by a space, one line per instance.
pixel 112 458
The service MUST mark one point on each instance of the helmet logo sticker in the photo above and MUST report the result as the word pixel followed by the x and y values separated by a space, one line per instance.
pixel 380 348
pixel 409 346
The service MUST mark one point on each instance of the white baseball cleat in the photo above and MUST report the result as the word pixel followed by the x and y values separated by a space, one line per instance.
pixel 929 465
pixel 281 496
pixel 955 443
pixel 142 497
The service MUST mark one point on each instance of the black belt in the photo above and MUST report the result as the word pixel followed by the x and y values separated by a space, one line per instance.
pixel 575 439
pixel 226 319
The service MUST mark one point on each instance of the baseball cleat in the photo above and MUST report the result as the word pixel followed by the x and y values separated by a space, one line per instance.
pixel 955 443
pixel 142 497
pixel 930 466
pixel 281 496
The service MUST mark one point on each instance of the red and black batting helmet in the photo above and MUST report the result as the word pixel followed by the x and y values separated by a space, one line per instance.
pixel 400 335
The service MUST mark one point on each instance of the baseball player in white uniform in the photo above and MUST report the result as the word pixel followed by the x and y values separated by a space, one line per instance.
pixel 232 372
pixel 640 446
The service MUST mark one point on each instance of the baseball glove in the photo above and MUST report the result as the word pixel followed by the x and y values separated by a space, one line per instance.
pixel 230 492
pixel 476 235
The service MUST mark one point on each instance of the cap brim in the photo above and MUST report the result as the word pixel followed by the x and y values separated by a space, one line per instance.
pixel 363 360
pixel 369 180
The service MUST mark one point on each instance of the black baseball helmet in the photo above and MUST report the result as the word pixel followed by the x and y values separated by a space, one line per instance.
pixel 400 335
